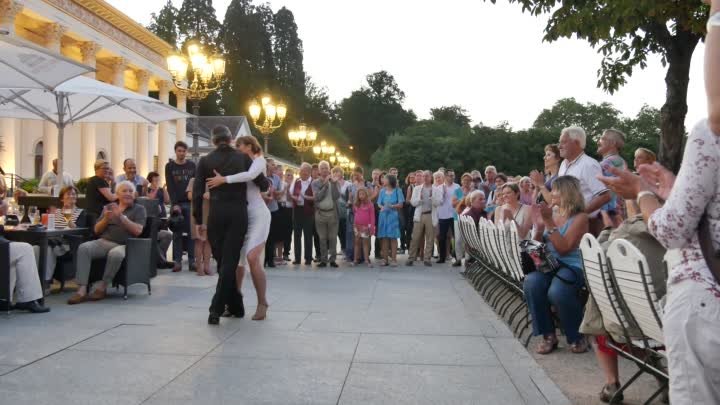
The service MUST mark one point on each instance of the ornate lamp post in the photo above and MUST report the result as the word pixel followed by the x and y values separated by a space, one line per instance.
pixel 207 72
pixel 324 150
pixel 303 139
pixel 272 115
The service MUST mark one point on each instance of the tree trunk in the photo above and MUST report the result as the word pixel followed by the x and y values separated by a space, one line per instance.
pixel 674 111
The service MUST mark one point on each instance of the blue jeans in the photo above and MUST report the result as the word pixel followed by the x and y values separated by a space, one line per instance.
pixel 543 290
pixel 182 239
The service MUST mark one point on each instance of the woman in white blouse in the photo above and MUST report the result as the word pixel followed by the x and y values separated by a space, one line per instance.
pixel 691 320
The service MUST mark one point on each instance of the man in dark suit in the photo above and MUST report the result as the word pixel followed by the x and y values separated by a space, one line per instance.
pixel 228 219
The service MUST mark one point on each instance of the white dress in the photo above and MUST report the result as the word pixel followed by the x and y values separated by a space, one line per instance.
pixel 258 212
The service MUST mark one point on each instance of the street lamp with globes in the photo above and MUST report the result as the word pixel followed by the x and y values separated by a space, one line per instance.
pixel 272 115
pixel 207 73
pixel 302 138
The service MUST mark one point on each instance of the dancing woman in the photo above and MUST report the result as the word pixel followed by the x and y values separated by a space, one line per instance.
pixel 258 221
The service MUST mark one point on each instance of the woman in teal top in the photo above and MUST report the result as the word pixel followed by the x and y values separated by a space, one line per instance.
pixel 390 200
pixel 561 234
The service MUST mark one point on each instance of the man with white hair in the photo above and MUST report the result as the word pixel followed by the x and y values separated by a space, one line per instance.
pixel 326 192
pixel 119 222
pixel 490 175
pixel 586 169
pixel 303 214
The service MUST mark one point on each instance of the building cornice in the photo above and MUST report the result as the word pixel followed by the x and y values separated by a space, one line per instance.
pixel 127 31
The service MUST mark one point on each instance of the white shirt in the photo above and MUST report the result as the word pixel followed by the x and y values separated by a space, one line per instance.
pixel 587 170
pixel 446 210
pixel 304 184
pixel 282 200
pixel 50 179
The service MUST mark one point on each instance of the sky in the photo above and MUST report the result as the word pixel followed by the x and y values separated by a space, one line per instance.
pixel 489 59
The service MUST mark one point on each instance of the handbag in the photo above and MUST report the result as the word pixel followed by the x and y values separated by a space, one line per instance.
pixel 534 256
pixel 712 257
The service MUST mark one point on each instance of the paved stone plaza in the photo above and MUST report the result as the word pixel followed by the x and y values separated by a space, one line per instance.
pixel 348 336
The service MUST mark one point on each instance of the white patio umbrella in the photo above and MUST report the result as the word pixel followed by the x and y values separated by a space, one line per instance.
pixel 25 65
pixel 82 99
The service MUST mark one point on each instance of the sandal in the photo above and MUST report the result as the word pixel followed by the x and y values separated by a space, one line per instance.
pixel 547 346
pixel 260 313
pixel 579 347
pixel 610 392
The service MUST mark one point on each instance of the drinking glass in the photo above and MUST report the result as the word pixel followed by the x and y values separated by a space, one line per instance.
pixel 20 212
pixel 67 213
pixel 33 214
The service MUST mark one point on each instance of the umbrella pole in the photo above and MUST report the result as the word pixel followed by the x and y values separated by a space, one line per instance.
pixel 61 138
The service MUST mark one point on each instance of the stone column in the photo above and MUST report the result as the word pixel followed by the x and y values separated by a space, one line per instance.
pixel 162 139
pixel 117 146
pixel 88 146
pixel 181 128
pixel 9 9
pixel 53 34
pixel 141 131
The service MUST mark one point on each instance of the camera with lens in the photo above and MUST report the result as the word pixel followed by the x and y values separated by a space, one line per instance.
pixel 176 220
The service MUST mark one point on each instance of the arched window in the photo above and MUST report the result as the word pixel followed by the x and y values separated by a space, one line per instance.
pixel 39 168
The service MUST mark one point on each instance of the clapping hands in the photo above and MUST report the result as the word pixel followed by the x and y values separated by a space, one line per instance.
pixel 654 178
pixel 537 178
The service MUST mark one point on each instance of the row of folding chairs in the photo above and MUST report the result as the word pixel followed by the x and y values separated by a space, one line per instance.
pixel 621 285
pixel 495 270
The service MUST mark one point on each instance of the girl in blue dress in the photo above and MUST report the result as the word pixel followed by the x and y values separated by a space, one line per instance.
pixel 390 200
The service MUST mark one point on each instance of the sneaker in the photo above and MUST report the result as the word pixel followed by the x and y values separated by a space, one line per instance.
pixel 427 263
pixel 322 264
pixel 608 391
pixel 409 263
pixel 333 264
pixel 457 263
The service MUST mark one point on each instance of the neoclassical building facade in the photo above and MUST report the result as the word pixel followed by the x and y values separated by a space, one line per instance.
pixel 124 54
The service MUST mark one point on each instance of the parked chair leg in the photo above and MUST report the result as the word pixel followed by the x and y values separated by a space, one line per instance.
pixel 627 384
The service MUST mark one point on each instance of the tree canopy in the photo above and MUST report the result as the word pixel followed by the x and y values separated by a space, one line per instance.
pixel 625 32
pixel 374 112
pixel 449 143
pixel 164 23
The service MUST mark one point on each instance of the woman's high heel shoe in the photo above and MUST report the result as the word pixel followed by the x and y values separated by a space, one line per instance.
pixel 260 313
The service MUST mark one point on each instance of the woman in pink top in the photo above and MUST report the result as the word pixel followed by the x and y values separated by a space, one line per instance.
pixel 364 225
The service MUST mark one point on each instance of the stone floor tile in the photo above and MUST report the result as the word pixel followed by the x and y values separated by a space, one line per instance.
pixel 96 373
pixel 422 384
pixel 232 380
pixel 291 345
pixel 422 349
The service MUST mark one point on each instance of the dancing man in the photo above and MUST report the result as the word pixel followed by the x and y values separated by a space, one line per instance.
pixel 228 219
pixel 258 219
